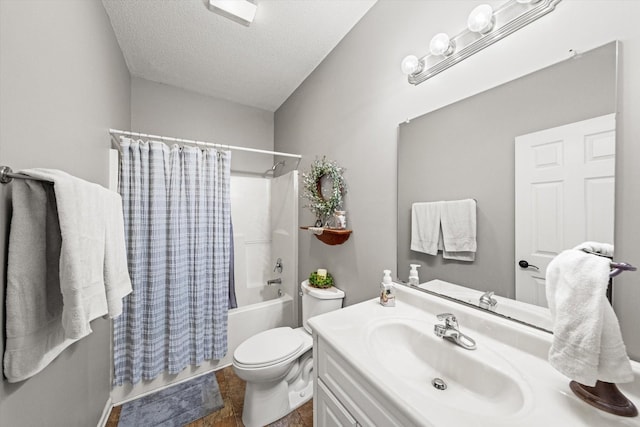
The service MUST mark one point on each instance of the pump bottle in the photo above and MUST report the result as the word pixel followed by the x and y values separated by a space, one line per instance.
pixel 414 280
pixel 387 296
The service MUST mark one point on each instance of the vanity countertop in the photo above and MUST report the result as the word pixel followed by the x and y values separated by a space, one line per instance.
pixel 506 381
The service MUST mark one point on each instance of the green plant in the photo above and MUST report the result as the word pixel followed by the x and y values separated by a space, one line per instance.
pixel 320 281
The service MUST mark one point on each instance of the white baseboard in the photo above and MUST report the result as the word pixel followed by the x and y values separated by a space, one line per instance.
pixel 105 413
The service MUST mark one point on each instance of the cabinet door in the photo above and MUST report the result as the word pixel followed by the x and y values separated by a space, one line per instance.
pixel 330 412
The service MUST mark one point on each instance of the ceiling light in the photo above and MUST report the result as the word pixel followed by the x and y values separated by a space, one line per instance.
pixel 240 11
pixel 481 19
pixel 441 45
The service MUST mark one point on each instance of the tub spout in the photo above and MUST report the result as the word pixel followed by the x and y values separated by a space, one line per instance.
pixel 274 281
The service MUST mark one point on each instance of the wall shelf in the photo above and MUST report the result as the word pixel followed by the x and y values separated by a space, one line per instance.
pixel 331 236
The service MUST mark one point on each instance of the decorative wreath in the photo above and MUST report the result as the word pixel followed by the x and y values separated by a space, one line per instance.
pixel 321 207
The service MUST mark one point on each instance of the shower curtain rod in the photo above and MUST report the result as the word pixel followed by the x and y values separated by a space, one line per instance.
pixel 208 144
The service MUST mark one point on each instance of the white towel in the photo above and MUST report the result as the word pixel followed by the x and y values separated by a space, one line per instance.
pixel 425 227
pixel 587 342
pixel 67 266
pixel 117 282
pixel 458 218
pixel 93 266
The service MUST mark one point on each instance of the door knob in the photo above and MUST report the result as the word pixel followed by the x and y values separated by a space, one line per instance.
pixel 524 264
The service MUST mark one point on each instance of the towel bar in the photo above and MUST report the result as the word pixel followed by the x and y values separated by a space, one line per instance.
pixel 616 267
pixel 619 267
pixel 7 175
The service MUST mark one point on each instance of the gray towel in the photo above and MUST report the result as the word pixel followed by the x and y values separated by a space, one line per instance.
pixel 34 333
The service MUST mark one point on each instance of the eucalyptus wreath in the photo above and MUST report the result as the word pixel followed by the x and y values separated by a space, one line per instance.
pixel 320 206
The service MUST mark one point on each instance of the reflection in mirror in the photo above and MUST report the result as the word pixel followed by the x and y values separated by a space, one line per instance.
pixel 467 150
pixel 564 191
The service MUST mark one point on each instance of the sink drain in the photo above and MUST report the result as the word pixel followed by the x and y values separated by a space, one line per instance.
pixel 439 383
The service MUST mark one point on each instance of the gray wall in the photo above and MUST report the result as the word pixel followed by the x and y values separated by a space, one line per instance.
pixel 467 150
pixel 63 83
pixel 349 109
pixel 165 110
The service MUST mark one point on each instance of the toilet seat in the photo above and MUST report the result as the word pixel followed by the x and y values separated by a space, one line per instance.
pixel 268 348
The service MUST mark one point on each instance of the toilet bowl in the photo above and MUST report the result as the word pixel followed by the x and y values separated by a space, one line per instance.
pixel 277 364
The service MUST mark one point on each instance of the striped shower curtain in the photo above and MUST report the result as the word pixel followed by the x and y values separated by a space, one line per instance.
pixel 177 224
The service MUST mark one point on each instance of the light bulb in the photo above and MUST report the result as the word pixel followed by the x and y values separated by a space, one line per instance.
pixel 411 65
pixel 481 19
pixel 441 45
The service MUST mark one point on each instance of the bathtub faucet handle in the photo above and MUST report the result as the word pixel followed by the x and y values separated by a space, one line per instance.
pixel 278 266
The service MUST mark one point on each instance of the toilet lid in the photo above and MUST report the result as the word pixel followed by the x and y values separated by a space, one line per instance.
pixel 268 347
pixel 322 293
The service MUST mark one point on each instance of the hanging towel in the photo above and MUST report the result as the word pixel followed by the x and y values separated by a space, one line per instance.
pixel 93 265
pixel 117 283
pixel 458 218
pixel 587 342
pixel 425 227
pixel 67 266
pixel 34 333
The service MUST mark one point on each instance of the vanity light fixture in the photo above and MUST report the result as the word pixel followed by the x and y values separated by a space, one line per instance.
pixel 484 27
pixel 240 11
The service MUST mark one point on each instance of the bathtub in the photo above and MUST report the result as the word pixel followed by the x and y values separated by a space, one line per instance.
pixel 243 323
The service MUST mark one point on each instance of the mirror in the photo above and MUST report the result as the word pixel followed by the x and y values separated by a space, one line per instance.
pixel 466 150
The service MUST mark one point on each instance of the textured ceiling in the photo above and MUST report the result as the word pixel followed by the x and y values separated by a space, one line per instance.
pixel 183 43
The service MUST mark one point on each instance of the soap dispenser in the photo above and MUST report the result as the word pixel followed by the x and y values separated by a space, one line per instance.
pixel 414 280
pixel 387 297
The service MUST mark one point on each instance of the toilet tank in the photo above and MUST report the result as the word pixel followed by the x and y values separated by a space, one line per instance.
pixel 317 301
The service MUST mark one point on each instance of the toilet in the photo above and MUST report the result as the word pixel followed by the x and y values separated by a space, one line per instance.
pixel 277 364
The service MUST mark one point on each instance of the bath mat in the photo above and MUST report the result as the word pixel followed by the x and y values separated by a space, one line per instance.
pixel 175 406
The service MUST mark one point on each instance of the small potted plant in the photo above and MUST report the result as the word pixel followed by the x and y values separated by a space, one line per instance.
pixel 322 281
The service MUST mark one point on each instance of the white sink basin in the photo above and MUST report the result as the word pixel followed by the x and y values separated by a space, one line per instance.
pixel 478 381
pixel 507 381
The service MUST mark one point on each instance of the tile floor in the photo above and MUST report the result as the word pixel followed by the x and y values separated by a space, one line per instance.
pixel 232 390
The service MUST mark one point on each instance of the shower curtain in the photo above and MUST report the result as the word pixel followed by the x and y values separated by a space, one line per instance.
pixel 177 214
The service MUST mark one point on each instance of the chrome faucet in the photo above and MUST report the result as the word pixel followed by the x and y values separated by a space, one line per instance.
pixel 274 281
pixel 450 331
pixel 488 302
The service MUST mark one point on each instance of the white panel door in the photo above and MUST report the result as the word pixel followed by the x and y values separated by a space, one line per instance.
pixel 564 187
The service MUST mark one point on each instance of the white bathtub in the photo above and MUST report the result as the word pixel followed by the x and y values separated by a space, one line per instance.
pixel 243 323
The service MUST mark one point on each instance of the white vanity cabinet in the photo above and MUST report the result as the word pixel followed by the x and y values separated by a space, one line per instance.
pixel 376 366
pixel 342 396
pixel 329 411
